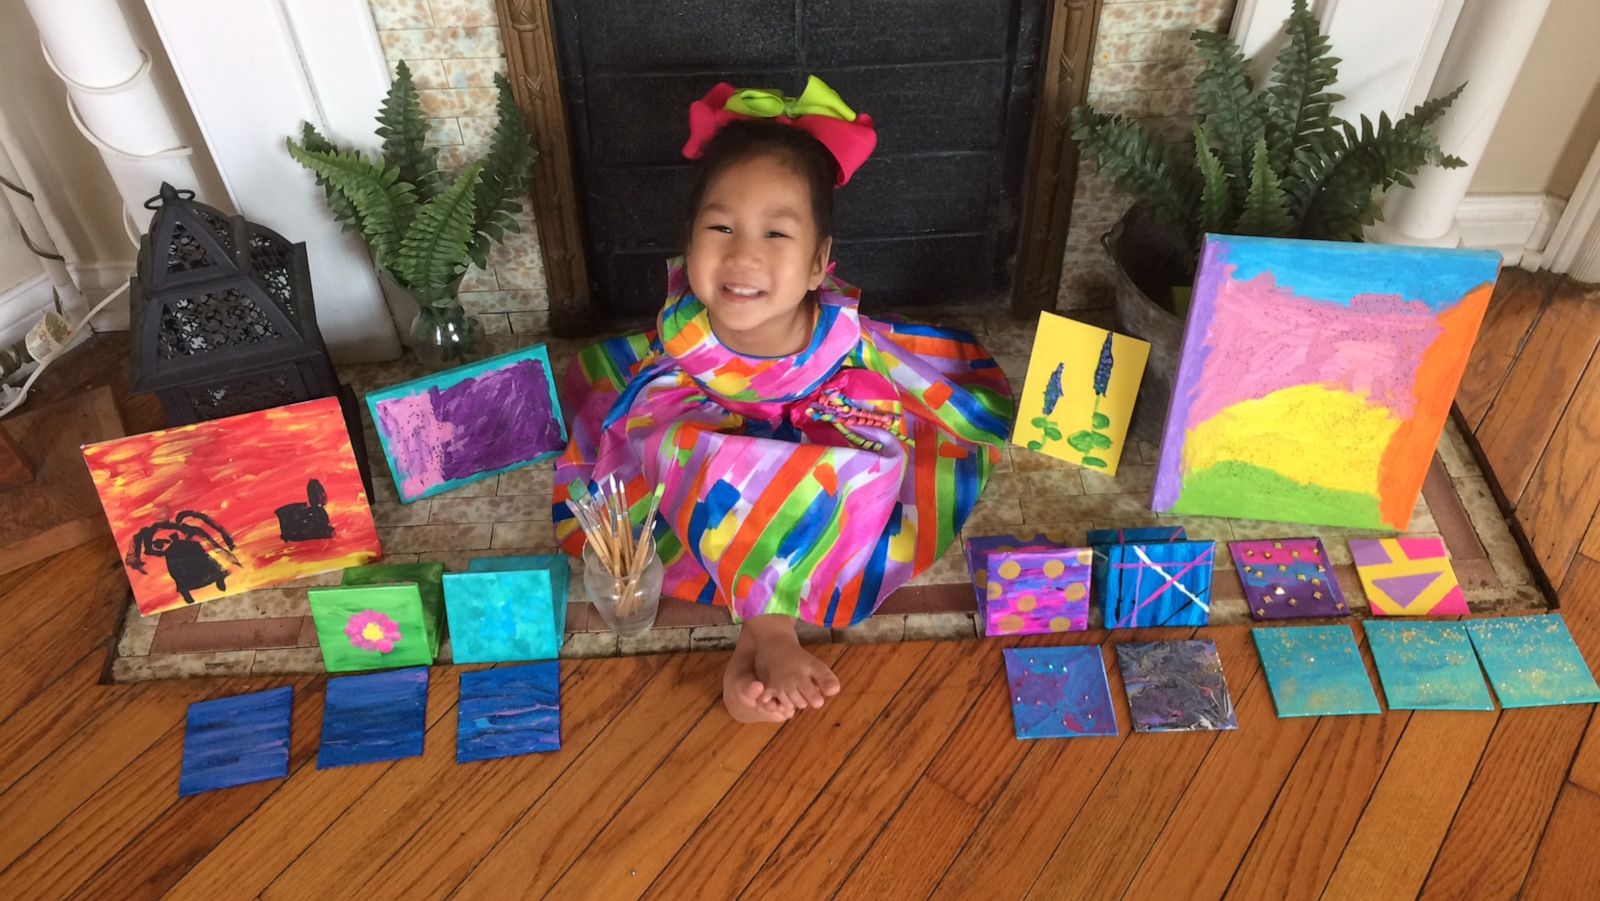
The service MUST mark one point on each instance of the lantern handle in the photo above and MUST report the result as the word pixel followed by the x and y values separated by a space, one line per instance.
pixel 179 193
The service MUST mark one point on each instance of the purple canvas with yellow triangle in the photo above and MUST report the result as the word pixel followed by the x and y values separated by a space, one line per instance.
pixel 1407 577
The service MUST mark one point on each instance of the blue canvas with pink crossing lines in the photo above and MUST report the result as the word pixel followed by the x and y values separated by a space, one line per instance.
pixel 1160 584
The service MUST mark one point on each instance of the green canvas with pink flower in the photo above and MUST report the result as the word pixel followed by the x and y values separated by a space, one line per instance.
pixel 382 616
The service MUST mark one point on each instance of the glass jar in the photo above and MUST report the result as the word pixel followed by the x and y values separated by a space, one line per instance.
pixel 628 605
pixel 446 337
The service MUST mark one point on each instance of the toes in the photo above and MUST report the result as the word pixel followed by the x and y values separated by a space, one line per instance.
pixel 828 684
pixel 753 691
pixel 795 698
pixel 812 695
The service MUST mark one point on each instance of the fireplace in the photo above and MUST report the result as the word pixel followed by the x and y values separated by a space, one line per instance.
pixel 965 201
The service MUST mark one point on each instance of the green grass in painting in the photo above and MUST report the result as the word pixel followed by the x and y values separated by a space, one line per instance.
pixel 1242 490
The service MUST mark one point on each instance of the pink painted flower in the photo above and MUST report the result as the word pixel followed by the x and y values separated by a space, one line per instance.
pixel 372 631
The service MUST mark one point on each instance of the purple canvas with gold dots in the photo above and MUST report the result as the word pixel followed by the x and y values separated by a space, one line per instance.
pixel 1038 592
pixel 979 549
pixel 1287 578
pixel 1059 692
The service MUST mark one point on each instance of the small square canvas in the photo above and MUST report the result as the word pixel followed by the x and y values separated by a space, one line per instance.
pixel 1315 378
pixel 1532 661
pixel 1427 665
pixel 1038 592
pixel 1176 686
pixel 506 609
pixel 1078 396
pixel 1407 577
pixel 1059 692
pixel 216 508
pixel 374 717
pixel 978 550
pixel 383 616
pixel 509 711
pixel 1315 671
pixel 1101 540
pixel 447 429
pixel 1287 578
pixel 235 741
pixel 1159 584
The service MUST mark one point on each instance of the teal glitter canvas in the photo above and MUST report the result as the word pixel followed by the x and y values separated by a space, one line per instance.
pixel 1533 661
pixel 1427 665
pixel 507 609
pixel 1315 671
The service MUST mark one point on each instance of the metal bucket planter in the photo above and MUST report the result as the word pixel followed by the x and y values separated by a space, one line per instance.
pixel 1149 259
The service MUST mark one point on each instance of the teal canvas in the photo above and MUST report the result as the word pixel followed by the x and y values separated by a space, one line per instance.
pixel 1315 671
pixel 1533 661
pixel 1427 665
pixel 507 609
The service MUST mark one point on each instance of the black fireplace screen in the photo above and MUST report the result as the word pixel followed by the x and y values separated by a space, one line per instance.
pixel 931 219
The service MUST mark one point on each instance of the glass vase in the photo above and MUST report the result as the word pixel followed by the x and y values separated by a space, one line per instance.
pixel 444 337
pixel 627 604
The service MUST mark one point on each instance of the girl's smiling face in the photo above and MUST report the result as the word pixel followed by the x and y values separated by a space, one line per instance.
pixel 754 257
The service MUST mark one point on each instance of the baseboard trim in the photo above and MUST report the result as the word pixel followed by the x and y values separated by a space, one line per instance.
pixel 22 305
pixel 96 280
pixel 1517 225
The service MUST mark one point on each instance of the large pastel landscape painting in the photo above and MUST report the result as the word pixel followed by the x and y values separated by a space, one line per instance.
pixel 1316 377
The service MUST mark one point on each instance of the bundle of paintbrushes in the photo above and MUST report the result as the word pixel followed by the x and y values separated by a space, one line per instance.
pixel 609 527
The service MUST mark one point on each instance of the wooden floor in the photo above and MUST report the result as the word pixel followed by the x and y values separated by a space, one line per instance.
pixel 909 784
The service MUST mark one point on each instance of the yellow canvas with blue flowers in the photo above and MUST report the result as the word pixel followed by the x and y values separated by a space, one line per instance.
pixel 1078 397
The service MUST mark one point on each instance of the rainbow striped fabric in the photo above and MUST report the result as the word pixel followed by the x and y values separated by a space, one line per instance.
pixel 810 485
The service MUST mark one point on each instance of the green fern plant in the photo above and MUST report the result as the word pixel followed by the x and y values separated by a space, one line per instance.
pixel 1274 162
pixel 423 226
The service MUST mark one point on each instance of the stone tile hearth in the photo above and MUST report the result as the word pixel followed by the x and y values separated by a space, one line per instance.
pixel 269 631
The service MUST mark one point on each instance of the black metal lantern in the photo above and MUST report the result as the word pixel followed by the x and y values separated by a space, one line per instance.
pixel 222 317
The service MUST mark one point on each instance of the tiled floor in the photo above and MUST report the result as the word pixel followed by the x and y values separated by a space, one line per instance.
pixel 269 631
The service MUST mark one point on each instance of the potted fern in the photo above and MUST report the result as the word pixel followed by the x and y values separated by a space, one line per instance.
pixel 425 227
pixel 1273 162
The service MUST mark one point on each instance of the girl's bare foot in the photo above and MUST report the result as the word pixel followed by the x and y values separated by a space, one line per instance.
pixel 744 695
pixel 789 672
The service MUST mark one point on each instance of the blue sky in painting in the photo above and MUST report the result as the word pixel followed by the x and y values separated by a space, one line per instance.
pixel 1315 671
pixel 237 740
pixel 1533 661
pixel 509 711
pixel 1427 665
pixel 1336 271
pixel 381 716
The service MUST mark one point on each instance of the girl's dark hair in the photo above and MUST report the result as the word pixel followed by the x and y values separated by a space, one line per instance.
pixel 746 139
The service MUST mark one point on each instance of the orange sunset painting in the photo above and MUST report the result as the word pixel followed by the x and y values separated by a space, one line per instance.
pixel 217 508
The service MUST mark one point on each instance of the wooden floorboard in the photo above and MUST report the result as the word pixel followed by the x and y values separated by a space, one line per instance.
pixel 1563 493
pixel 1530 404
pixel 1566 865
pixel 1518 297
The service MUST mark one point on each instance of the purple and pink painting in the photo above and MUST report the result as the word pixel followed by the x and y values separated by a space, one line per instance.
pixel 1176 686
pixel 1038 592
pixel 1287 578
pixel 1059 692
pixel 444 430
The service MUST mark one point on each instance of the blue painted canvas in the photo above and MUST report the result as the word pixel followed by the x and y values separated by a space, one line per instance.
pixel 451 428
pixel 381 716
pixel 1533 661
pixel 1176 686
pixel 1101 540
pixel 506 609
pixel 1315 671
pixel 1059 692
pixel 1427 665
pixel 509 711
pixel 1158 584
pixel 235 741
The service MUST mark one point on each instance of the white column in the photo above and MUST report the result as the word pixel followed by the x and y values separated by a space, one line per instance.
pixel 112 98
pixel 253 72
pixel 1490 42
pixel 1574 247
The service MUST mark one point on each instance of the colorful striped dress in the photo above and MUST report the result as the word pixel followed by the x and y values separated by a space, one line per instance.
pixel 810 485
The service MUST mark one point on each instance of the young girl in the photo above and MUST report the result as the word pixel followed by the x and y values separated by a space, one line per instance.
pixel 811 460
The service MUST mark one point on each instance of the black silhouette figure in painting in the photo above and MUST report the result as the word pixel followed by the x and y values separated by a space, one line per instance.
pixel 308 521
pixel 187 542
